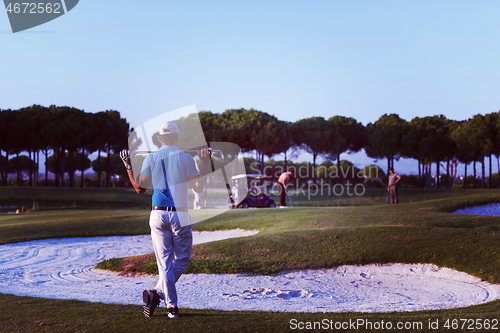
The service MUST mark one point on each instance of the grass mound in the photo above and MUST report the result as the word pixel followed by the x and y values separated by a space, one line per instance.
pixel 420 232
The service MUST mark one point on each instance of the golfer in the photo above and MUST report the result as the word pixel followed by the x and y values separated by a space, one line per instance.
pixel 392 188
pixel 282 182
pixel 167 172
pixel 196 200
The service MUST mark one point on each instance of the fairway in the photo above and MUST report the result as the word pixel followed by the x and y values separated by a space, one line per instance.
pixel 420 231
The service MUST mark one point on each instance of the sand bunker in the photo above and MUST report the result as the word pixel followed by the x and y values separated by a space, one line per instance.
pixel 491 209
pixel 63 269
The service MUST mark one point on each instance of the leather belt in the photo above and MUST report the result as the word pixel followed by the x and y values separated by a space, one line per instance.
pixel 169 209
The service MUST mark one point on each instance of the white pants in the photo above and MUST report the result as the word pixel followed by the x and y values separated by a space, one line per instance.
pixel 173 244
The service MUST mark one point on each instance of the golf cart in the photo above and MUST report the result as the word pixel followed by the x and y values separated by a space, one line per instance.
pixel 246 193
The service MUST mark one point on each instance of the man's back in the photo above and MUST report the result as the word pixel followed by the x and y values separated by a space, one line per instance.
pixel 284 178
pixel 176 166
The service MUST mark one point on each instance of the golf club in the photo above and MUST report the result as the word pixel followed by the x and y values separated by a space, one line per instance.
pixel 211 151
pixel 387 197
pixel 291 204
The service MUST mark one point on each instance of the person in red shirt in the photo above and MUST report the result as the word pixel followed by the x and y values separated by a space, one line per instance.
pixel 392 187
pixel 282 182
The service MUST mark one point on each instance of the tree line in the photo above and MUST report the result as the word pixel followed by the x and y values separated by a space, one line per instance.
pixel 70 135
pixel 437 140
pixel 432 140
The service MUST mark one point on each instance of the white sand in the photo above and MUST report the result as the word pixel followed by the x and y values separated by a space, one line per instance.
pixel 491 209
pixel 63 269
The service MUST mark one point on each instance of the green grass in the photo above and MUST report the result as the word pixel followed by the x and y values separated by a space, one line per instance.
pixel 78 222
pixel 306 238
pixel 78 213
pixel 73 197
pixel 25 314
pixel 44 198
pixel 73 223
pixel 371 196
pixel 420 230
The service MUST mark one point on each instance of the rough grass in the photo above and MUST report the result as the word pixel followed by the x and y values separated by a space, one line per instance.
pixel 25 314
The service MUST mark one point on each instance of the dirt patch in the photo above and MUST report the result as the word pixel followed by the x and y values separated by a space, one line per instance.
pixel 131 265
pixel 424 208
pixel 204 252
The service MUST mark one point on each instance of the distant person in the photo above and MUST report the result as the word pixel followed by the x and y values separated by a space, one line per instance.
pixel 235 190
pixel 196 201
pixel 205 194
pixel 197 197
pixel 282 182
pixel 392 188
pixel 168 172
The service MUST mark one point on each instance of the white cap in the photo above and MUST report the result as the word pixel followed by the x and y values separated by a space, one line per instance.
pixel 168 127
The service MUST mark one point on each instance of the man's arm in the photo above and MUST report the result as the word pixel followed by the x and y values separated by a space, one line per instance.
pixel 125 156
pixel 198 182
pixel 142 180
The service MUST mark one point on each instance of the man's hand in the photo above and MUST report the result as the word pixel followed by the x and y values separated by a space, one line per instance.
pixel 205 154
pixel 125 156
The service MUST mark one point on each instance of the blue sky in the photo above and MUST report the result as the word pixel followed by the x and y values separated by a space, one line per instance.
pixel 293 59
